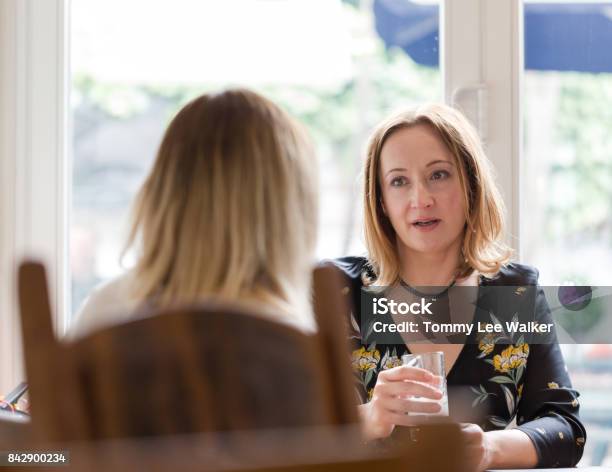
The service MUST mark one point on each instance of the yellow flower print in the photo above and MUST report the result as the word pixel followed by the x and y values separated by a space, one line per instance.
pixel 553 385
pixel 370 393
pixel 390 362
pixel 487 344
pixel 520 390
pixel 511 358
pixel 363 360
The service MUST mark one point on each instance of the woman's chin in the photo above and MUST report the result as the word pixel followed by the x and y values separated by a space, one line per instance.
pixel 428 247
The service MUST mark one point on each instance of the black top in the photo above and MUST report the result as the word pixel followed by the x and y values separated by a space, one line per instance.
pixel 491 384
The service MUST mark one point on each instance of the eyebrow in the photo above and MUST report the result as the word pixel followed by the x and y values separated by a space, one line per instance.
pixel 429 164
pixel 439 161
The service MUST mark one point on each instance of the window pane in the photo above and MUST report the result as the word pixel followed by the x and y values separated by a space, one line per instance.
pixel 566 177
pixel 339 66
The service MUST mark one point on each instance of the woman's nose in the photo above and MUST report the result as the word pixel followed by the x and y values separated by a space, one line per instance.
pixel 420 197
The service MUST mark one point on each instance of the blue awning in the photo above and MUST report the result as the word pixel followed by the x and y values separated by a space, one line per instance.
pixel 558 36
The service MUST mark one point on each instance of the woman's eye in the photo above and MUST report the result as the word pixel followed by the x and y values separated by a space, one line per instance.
pixel 439 175
pixel 398 181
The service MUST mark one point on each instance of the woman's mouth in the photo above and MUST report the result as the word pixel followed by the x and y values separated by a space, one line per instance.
pixel 426 225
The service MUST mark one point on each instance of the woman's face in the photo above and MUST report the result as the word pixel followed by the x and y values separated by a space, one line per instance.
pixel 421 191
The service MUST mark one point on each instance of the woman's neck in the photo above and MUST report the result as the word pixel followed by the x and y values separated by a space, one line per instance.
pixel 429 269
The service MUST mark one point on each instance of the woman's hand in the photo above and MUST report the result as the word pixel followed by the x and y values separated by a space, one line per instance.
pixel 478 447
pixel 390 404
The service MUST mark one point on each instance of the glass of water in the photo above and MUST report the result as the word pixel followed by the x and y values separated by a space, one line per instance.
pixel 434 363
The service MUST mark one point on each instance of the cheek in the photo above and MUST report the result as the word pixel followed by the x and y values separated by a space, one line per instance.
pixel 394 206
pixel 454 205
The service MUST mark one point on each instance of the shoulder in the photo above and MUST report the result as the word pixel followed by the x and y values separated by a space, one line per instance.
pixel 109 303
pixel 353 267
pixel 514 273
pixel 113 292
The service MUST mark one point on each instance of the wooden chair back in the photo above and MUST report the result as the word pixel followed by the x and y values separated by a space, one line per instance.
pixel 208 367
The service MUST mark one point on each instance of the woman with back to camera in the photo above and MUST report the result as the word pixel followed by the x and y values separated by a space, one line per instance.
pixel 229 210
pixel 433 217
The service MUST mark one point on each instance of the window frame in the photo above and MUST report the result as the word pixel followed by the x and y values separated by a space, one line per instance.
pixel 485 81
pixel 35 160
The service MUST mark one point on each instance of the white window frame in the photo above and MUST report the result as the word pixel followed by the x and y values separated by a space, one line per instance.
pixel 481 66
pixel 34 73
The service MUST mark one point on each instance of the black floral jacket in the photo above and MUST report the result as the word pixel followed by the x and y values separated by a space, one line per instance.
pixel 492 383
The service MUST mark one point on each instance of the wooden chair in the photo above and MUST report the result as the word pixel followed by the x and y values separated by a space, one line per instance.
pixel 209 367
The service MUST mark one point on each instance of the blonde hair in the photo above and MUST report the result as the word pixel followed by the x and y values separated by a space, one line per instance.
pixel 482 248
pixel 229 208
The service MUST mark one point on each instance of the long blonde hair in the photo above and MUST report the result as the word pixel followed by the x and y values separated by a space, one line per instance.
pixel 229 208
pixel 482 248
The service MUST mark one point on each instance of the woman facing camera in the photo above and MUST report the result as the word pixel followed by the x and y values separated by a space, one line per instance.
pixel 229 211
pixel 434 218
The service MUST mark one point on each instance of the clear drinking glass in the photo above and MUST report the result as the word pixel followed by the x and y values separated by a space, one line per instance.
pixel 434 363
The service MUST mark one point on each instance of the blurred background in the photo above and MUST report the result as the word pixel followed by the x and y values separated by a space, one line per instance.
pixel 340 67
